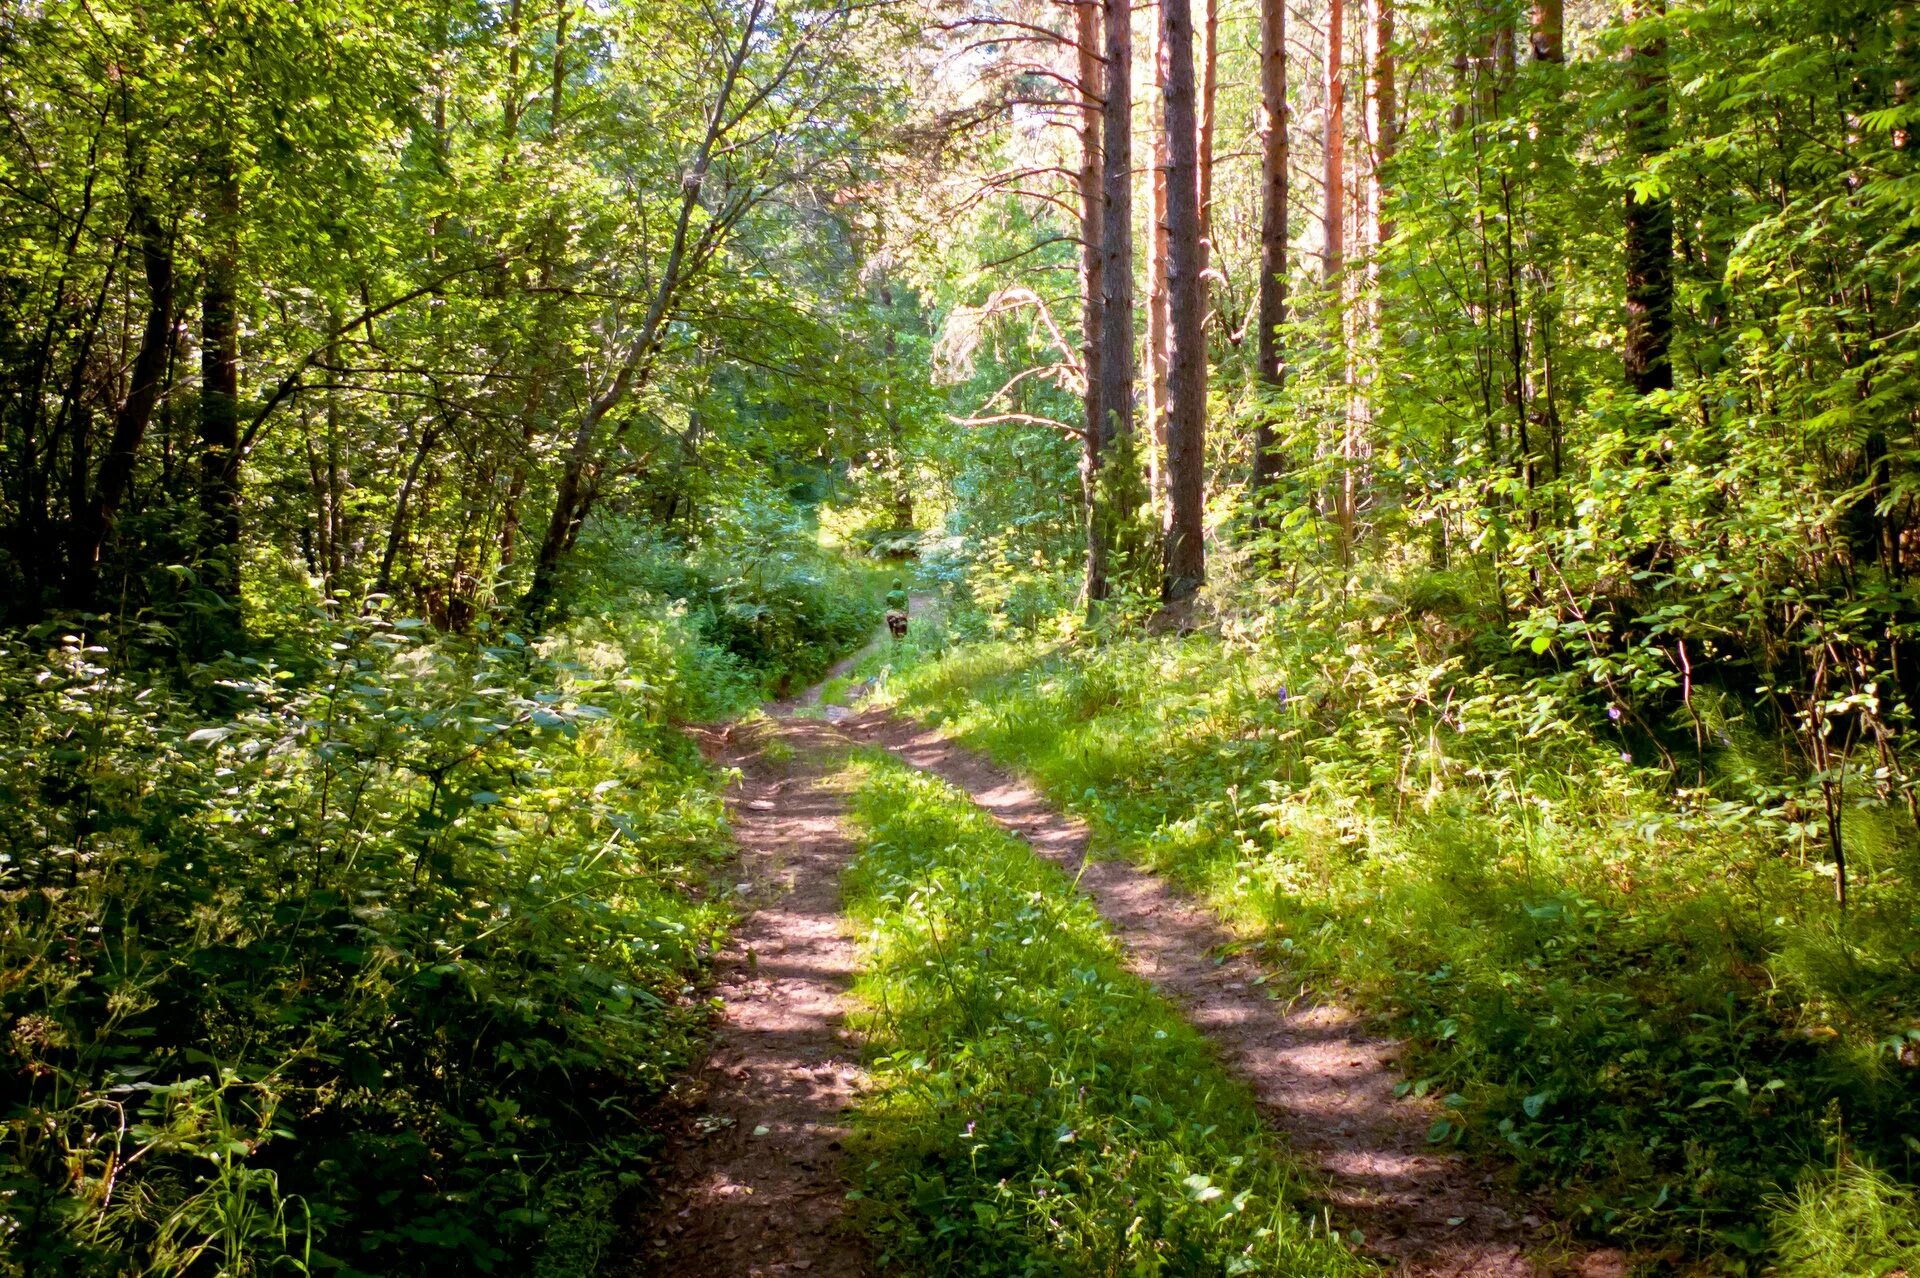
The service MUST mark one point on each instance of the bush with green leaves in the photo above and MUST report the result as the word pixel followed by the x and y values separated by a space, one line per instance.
pixel 767 608
pixel 1036 1109
pixel 357 960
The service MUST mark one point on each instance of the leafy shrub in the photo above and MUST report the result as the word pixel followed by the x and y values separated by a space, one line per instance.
pixel 767 608
pixel 356 962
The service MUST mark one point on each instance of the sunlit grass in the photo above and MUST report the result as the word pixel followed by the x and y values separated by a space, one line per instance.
pixel 1646 1002
pixel 1036 1109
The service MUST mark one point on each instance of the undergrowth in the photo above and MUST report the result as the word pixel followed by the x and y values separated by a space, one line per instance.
pixel 1035 1109
pixel 360 952
pixel 766 608
pixel 365 971
pixel 1644 995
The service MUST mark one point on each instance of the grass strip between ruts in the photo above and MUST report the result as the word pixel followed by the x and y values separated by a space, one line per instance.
pixel 1034 1108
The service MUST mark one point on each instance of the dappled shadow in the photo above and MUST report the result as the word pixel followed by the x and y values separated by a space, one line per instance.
pixel 754 1181
pixel 1321 1077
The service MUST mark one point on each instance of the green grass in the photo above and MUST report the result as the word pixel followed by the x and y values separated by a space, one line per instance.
pixel 1853 1221
pixel 1037 1110
pixel 1642 998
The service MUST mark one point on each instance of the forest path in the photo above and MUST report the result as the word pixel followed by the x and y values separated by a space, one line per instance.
pixel 752 1178
pixel 1316 1071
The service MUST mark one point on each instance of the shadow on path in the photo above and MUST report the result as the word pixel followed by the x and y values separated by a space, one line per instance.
pixel 1322 1078
pixel 751 1180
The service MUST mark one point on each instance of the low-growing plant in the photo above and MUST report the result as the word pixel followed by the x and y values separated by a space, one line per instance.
pixel 1641 993
pixel 1035 1109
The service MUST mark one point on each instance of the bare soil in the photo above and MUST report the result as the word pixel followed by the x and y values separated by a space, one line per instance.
pixel 1322 1077
pixel 752 1178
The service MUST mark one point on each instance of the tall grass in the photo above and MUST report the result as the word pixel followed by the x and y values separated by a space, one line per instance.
pixel 1646 998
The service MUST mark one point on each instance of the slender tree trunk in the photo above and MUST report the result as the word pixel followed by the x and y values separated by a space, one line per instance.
pixel 510 111
pixel 1087 39
pixel 1209 97
pixel 559 86
pixel 516 490
pixel 1382 134
pixel 573 494
pixel 1116 285
pixel 93 519
pixel 1649 222
pixel 397 528
pixel 896 434
pixel 1186 554
pixel 1156 357
pixel 1334 183
pixel 1334 170
pixel 336 494
pixel 1275 122
pixel 220 387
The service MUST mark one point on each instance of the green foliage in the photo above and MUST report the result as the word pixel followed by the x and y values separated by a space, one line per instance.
pixel 764 608
pixel 1855 1222
pixel 366 971
pixel 1639 992
pixel 1037 1110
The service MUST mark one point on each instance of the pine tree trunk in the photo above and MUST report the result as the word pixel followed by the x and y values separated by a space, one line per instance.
pixel 1115 435
pixel 1334 260
pixel 1156 366
pixel 1382 135
pixel 1334 170
pixel 1209 98
pixel 1273 234
pixel 1087 44
pixel 1186 562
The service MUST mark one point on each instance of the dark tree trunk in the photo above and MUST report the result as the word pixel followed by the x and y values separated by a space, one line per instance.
pixel 1549 25
pixel 1186 555
pixel 1649 222
pixel 403 502
pixel 1273 236
pixel 1116 286
pixel 93 519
